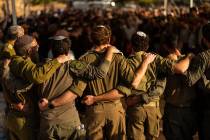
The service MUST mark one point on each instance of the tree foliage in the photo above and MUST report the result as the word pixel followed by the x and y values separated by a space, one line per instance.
pixel 41 1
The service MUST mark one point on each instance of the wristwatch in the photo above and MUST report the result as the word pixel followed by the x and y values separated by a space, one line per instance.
pixel 51 106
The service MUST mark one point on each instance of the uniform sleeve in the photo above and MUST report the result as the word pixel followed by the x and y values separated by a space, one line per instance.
pixel 125 70
pixel 197 68
pixel 78 86
pixel 164 65
pixel 35 73
pixel 124 90
pixel 204 84
pixel 158 88
pixel 87 71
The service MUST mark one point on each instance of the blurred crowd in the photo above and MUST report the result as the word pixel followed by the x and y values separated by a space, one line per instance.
pixel 181 22
pixel 183 31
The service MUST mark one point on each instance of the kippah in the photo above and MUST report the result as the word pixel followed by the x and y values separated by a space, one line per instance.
pixel 141 34
pixel 58 37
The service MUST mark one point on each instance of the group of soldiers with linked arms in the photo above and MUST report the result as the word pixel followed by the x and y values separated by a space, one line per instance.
pixel 121 95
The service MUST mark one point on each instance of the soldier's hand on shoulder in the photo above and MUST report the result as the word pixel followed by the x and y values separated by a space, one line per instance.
pixel 63 58
pixel 149 58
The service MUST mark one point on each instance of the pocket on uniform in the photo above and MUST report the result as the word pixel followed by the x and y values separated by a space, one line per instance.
pixel 154 118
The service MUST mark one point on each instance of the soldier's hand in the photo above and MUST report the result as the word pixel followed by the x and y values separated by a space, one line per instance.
pixel 149 58
pixel 19 106
pixel 43 104
pixel 63 58
pixel 132 101
pixel 6 62
pixel 190 55
pixel 88 100
pixel 112 49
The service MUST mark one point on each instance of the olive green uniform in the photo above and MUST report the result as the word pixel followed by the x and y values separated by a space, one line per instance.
pixel 63 122
pixel 20 123
pixel 199 71
pixel 104 120
pixel 197 68
pixel 26 69
pixel 143 119
pixel 180 116
pixel 7 51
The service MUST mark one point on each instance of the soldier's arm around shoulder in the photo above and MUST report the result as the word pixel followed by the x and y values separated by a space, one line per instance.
pixel 126 71
pixel 25 68
pixel 89 71
pixel 84 70
pixel 164 65
pixel 197 68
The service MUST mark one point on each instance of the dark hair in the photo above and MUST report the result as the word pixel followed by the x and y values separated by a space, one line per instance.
pixel 22 44
pixel 11 37
pixel 101 35
pixel 140 43
pixel 206 32
pixel 60 47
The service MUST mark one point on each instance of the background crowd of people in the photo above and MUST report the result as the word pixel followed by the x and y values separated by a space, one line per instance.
pixel 181 29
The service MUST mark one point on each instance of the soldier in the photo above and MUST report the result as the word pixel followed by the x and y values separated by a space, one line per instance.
pixel 180 116
pixel 198 72
pixel 62 122
pixel 201 62
pixel 144 115
pixel 14 32
pixel 17 91
pixel 104 119
pixel 6 52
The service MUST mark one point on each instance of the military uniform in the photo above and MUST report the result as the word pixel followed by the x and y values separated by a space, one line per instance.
pixel 104 120
pixel 197 68
pixel 63 122
pixel 199 72
pixel 143 118
pixel 20 123
pixel 204 106
pixel 180 116
pixel 24 68
pixel 7 51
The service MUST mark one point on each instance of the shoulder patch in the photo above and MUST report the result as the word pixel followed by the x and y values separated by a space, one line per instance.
pixel 77 66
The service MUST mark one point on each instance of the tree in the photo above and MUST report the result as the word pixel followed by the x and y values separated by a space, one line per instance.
pixel 41 1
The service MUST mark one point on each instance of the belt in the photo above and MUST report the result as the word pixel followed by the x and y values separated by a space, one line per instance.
pixel 108 102
pixel 151 104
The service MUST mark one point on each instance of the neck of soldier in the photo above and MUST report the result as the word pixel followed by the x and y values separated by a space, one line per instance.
pixel 101 48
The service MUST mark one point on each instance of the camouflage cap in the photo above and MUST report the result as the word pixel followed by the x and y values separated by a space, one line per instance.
pixel 16 30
